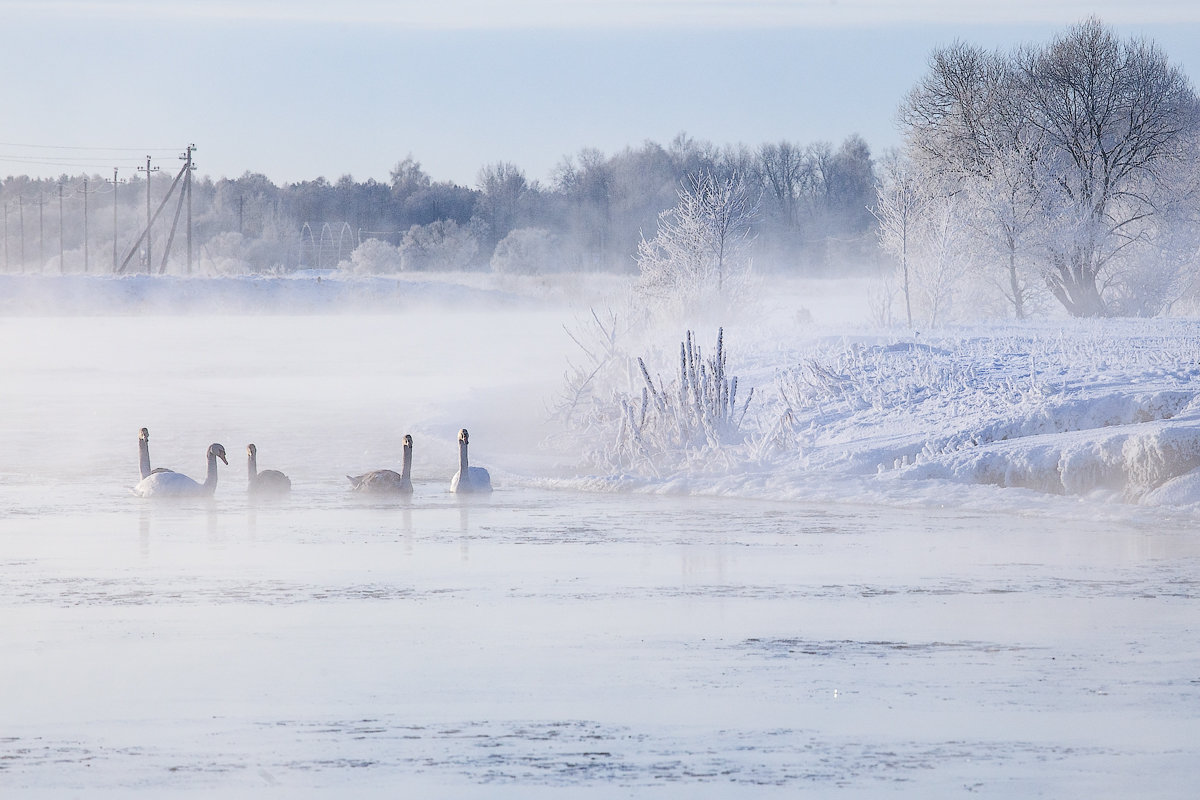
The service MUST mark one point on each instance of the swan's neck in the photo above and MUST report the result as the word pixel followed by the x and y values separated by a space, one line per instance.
pixel 251 465
pixel 406 470
pixel 144 456
pixel 462 459
pixel 210 482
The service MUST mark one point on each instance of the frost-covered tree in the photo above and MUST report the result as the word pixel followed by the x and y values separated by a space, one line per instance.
pixel 925 231
pixel 528 251
pixel 407 178
pixel 1007 215
pixel 944 260
pixel 502 204
pixel 701 253
pixel 900 209
pixel 375 257
pixel 444 245
pixel 1097 125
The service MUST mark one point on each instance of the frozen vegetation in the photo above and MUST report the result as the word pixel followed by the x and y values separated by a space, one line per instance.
pixel 1101 410
pixel 802 398
pixel 791 554
pixel 922 530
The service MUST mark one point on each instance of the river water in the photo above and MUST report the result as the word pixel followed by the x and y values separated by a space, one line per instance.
pixel 535 642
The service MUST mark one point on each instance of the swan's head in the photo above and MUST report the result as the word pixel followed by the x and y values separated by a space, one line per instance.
pixel 407 440
pixel 251 450
pixel 462 436
pixel 218 451
pixel 144 435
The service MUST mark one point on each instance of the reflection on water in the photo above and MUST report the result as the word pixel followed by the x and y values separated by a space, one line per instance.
pixel 531 640
pixel 536 638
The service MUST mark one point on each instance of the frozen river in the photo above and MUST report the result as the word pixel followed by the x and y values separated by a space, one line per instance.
pixel 536 642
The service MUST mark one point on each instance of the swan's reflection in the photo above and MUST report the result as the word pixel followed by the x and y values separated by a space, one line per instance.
pixel 144 530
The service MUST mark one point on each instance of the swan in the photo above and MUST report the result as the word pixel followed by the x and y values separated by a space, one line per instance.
pixel 175 484
pixel 269 481
pixel 144 454
pixel 468 478
pixel 386 481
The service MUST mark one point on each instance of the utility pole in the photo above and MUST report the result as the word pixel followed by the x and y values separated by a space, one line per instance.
pixel 86 246
pixel 187 186
pixel 148 218
pixel 85 225
pixel 41 232
pixel 114 183
pixel 62 264
pixel 6 267
pixel 21 209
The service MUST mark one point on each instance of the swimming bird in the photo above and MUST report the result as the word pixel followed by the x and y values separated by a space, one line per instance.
pixel 468 478
pixel 144 454
pixel 387 481
pixel 175 484
pixel 269 481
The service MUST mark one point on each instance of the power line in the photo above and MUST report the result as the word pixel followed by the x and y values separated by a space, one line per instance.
pixel 63 156
pixel 60 159
pixel 80 163
pixel 90 149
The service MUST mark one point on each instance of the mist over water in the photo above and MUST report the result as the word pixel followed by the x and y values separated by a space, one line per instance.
pixel 318 394
pixel 532 642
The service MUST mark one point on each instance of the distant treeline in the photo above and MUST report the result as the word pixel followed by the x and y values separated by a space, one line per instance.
pixel 813 215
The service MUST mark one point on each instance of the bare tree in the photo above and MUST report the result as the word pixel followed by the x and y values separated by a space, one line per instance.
pixel 1116 115
pixel 505 191
pixel 781 171
pixel 899 208
pixel 1092 124
pixel 701 250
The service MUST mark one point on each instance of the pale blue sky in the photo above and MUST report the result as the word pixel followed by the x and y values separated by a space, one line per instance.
pixel 298 89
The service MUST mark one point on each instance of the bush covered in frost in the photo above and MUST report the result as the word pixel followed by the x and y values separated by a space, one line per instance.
pixel 375 257
pixel 654 424
pixel 443 245
pixel 528 251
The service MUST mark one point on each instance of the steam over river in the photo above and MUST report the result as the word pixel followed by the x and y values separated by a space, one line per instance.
pixel 537 642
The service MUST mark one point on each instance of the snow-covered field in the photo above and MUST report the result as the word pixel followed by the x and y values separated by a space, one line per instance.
pixel 938 563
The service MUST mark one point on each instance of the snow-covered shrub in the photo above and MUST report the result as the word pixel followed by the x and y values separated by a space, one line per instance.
pixel 231 253
pixel 443 245
pixel 657 426
pixel 528 251
pixel 375 257
pixel 699 409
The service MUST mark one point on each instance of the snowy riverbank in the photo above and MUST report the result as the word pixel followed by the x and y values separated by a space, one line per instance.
pixel 863 601
pixel 1100 410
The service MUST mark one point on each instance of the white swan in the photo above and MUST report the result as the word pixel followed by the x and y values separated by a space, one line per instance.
pixel 387 481
pixel 468 478
pixel 174 484
pixel 144 454
pixel 269 481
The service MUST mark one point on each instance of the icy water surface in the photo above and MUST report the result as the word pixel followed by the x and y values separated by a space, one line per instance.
pixel 615 645
pixel 532 643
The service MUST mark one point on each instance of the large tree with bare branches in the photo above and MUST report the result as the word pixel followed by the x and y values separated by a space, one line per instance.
pixel 1084 138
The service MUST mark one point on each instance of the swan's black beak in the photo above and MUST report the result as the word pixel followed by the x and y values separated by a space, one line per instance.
pixel 222 457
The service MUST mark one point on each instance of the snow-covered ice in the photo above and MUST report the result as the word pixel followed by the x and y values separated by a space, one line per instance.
pixel 947 562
